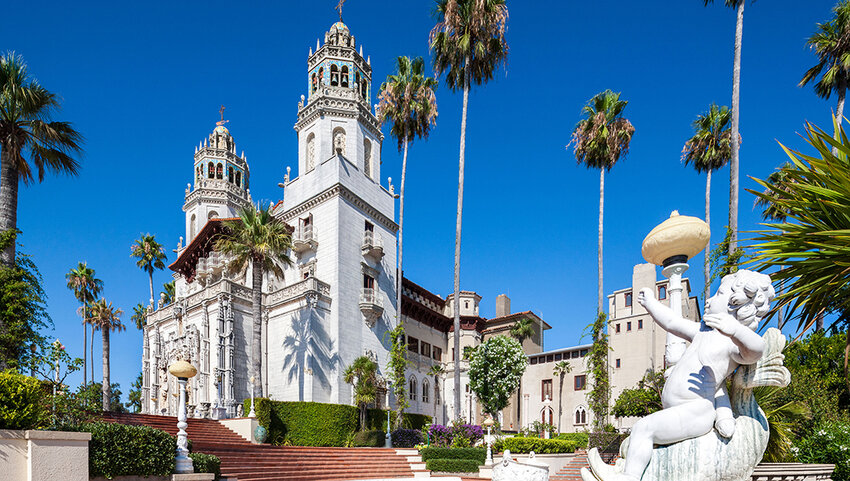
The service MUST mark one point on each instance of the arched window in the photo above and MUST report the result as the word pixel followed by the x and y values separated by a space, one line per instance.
pixel 230 174
pixel 211 170
pixel 339 140
pixel 192 223
pixel 581 415
pixel 313 82
pixel 356 79
pixel 212 215
pixel 426 390
pixel 311 152
pixel 546 416
pixel 321 76
pixel 344 79
pixel 219 172
pixel 363 88
pixel 436 394
pixel 367 157
pixel 334 75
pixel 662 292
pixel 411 387
pixel 198 172
pixel 238 179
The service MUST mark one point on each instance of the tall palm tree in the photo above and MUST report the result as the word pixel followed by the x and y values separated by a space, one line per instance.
pixel 106 318
pixel 561 369
pixel 27 131
pixel 738 5
pixel 150 255
pixel 831 43
pixel 408 102
pixel 363 375
pixel 468 44
pixel 773 212
pixel 170 294
pixel 599 141
pixel 708 150
pixel 86 289
pixel 140 314
pixel 262 242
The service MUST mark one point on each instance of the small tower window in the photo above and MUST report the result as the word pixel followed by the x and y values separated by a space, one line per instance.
pixel 238 179
pixel 219 172
pixel 321 76
pixel 356 79
pixel 629 299
pixel 313 82
pixel 211 170
pixel 230 174
pixel 344 78
pixel 367 157
pixel 339 140
pixel 363 88
pixel 334 75
pixel 662 292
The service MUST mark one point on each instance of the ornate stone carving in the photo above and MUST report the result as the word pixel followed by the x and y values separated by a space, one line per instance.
pixel 339 141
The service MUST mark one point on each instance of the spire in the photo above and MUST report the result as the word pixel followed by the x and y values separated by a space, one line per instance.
pixel 339 8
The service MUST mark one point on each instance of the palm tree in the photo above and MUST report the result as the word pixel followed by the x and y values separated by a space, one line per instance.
pixel 169 293
pixel 86 289
pixel 708 150
pixel 772 213
pixel 599 140
pixel 262 242
pixel 26 130
pixel 833 52
pixel 560 370
pixel 363 375
pixel 436 371
pixel 408 102
pixel 106 318
pixel 140 314
pixel 738 5
pixel 522 330
pixel 150 255
pixel 468 44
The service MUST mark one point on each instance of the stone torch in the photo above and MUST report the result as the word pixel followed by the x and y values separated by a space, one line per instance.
pixel 670 245
pixel 182 370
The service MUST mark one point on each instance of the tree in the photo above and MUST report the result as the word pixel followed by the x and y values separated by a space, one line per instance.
pixel 833 51
pixel 641 400
pixel 106 318
pixel 522 330
pixel 49 364
pixel 397 368
pixel 437 371
pixel 468 45
pixel 495 370
pixel 560 370
pixel 408 103
pixel 770 213
pixel 597 397
pixel 86 289
pixel 260 241
pixel 738 5
pixel 168 293
pixel 363 375
pixel 27 131
pixel 140 315
pixel 708 150
pixel 134 397
pixel 599 141
pixel 150 255
pixel 811 248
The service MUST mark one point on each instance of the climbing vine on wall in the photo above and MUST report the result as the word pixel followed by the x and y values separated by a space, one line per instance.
pixel 396 367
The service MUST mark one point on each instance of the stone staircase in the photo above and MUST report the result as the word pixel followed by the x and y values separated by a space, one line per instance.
pixel 570 472
pixel 262 462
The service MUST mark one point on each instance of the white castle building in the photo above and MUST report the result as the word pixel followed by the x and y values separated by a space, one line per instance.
pixel 336 301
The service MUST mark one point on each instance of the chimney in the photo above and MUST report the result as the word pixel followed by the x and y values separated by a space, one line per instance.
pixel 503 305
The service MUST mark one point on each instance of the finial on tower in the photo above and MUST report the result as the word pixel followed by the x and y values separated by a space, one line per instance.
pixel 339 8
pixel 222 121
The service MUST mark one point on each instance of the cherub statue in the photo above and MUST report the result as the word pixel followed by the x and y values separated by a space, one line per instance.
pixel 695 398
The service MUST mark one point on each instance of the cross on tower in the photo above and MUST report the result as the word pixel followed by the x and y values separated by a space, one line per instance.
pixel 339 8
pixel 222 121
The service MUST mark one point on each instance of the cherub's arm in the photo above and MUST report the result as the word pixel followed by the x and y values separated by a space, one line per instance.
pixel 750 346
pixel 665 317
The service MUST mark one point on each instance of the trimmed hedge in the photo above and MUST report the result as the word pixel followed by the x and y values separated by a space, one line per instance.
pixel 580 438
pixel 122 450
pixel 377 419
pixel 21 402
pixel 452 465
pixel 519 445
pixel 206 463
pixel 305 423
pixel 406 438
pixel 370 439
pixel 478 455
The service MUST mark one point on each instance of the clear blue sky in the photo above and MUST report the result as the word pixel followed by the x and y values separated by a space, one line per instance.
pixel 143 82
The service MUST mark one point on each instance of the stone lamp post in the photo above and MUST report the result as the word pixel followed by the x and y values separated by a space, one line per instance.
pixel 182 370
pixel 670 245
pixel 546 406
pixel 253 413
pixel 488 424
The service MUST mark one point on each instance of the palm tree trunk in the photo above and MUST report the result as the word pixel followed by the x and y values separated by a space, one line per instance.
pixel 842 91
pixel 150 280
pixel 560 401
pixel 106 388
pixel 400 274
pixel 736 112
pixel 706 266
pixel 257 305
pixel 600 294
pixel 91 353
pixel 457 237
pixel 846 355
pixel 8 203
pixel 85 346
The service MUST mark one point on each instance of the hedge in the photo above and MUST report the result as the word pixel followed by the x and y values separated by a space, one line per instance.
pixel 452 465
pixel 472 454
pixel 206 463
pixel 122 450
pixel 370 439
pixel 305 423
pixel 21 400
pixel 377 419
pixel 580 438
pixel 539 446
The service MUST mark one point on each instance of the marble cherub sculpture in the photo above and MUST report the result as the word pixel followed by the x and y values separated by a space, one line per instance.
pixel 702 433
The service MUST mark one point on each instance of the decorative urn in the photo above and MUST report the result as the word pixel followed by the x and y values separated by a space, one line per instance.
pixel 675 240
pixel 182 370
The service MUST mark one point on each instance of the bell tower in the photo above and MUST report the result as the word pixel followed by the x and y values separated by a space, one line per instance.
pixel 221 181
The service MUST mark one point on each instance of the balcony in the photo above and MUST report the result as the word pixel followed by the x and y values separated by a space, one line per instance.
pixel 210 265
pixel 304 239
pixel 372 246
pixel 371 305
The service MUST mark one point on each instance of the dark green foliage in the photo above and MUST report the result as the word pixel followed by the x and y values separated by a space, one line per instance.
pixel 121 450
pixel 370 439
pixel 135 395
pixel 827 445
pixel 406 438
pixel 206 463
pixel 474 454
pixel 597 362
pixel 518 445
pixel 642 400
pixel 93 394
pixel 723 263
pixel 579 438
pixel 397 366
pixel 21 402
pixel 377 419
pixel 305 423
pixel 452 465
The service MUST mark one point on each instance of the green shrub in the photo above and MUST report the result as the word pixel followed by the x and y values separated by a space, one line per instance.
pixel 377 419
pixel 579 438
pixel 305 423
pixel 519 445
pixel 21 402
pixel 206 463
pixel 827 444
pixel 471 454
pixel 121 450
pixel 453 465
pixel 369 439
